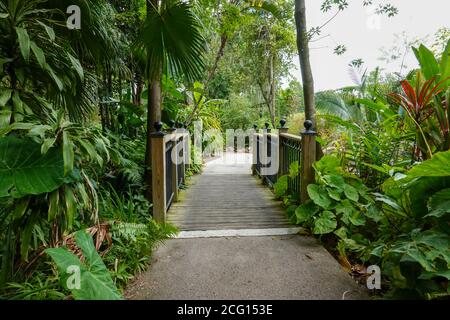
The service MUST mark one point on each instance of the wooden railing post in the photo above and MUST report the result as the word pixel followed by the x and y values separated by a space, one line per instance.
pixel 308 158
pixel 174 160
pixel 182 145
pixel 186 147
pixel 281 160
pixel 265 156
pixel 254 149
pixel 174 165
pixel 158 149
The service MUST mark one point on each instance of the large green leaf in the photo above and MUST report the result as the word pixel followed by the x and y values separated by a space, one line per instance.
pixel 328 165
pixel 351 193
pixel 39 54
pixel 294 169
pixel 319 195
pixel 171 38
pixel 445 66
pixel 325 223
pixel 427 61
pixel 437 166
pixel 95 280
pixel 336 181
pixel 5 96
pixel 346 209
pixel 281 186
pixel 439 204
pixel 306 211
pixel 24 170
pixel 77 66
pixel 24 42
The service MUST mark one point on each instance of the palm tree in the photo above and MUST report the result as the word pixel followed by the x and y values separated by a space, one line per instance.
pixel 172 43
pixel 43 63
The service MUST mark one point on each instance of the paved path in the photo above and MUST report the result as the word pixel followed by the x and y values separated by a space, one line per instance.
pixel 237 244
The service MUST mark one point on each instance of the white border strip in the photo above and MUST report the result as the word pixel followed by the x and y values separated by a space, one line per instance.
pixel 238 233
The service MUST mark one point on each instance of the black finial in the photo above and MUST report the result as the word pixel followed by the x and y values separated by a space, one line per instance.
pixel 255 126
pixel 158 126
pixel 282 123
pixel 266 125
pixel 308 125
pixel 172 126
pixel 308 128
pixel 184 125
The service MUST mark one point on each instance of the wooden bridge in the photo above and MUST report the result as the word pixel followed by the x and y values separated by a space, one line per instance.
pixel 235 240
pixel 226 196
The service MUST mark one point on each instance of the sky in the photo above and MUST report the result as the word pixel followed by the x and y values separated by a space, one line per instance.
pixel 364 34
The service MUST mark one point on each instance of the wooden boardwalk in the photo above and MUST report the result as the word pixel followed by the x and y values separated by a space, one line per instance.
pixel 227 197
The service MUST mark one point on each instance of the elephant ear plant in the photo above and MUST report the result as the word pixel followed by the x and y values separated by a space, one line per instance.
pixel 24 172
pixel 404 229
pixel 84 275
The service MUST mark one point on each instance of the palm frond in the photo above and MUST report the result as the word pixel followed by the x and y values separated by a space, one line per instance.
pixel 172 41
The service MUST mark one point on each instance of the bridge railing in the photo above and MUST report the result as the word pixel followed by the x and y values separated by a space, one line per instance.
pixel 289 149
pixel 170 160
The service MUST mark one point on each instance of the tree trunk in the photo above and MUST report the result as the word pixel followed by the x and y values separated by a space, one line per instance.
pixel 219 55
pixel 267 103
pixel 305 64
pixel 153 114
pixel 272 90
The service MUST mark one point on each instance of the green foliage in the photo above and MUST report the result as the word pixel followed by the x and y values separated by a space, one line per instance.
pixel 95 280
pixel 281 187
pixel 25 171
pixel 340 201
pixel 133 245
pixel 404 230
pixel 172 39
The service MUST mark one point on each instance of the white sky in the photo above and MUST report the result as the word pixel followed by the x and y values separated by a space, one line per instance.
pixel 364 37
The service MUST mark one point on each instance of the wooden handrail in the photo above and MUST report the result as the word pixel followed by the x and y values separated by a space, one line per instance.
pixel 291 137
pixel 302 148
pixel 160 185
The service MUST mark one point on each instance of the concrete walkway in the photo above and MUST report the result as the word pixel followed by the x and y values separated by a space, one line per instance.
pixel 234 257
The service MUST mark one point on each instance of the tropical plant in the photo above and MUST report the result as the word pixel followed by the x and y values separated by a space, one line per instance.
pixel 340 203
pixel 404 229
pixel 170 42
pixel 418 105
pixel 84 274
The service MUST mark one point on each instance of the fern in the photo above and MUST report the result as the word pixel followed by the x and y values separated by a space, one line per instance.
pixel 129 231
